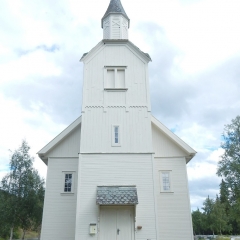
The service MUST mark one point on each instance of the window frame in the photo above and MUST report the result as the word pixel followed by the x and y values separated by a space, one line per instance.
pixel 113 136
pixel 63 182
pixel 162 190
pixel 115 68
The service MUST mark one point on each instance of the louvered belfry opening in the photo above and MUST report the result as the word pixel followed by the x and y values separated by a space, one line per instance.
pixel 115 22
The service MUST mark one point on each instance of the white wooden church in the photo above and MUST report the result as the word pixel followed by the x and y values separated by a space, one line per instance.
pixel 116 173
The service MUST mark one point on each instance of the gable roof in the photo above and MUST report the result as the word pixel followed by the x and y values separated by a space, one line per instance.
pixel 102 43
pixel 115 6
pixel 178 141
pixel 42 153
pixel 174 138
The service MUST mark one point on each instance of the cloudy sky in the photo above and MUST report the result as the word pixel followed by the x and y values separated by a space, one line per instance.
pixel 194 76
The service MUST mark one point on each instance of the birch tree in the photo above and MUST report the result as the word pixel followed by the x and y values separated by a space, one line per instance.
pixel 23 189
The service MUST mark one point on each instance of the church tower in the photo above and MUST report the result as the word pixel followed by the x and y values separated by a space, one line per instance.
pixel 116 137
pixel 116 102
pixel 115 22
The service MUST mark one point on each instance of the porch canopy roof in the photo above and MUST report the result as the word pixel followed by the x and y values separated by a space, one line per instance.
pixel 117 195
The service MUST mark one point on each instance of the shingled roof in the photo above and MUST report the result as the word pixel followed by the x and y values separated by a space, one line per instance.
pixel 117 195
pixel 115 6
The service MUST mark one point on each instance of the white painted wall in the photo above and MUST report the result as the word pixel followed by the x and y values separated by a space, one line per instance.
pixel 163 146
pixel 115 169
pixel 118 54
pixel 135 130
pixel 59 212
pixel 69 146
pixel 128 108
pixel 174 215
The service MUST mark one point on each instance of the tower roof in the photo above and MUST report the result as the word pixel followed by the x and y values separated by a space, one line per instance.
pixel 115 6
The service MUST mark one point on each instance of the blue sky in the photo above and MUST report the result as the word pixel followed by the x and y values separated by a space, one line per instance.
pixel 194 76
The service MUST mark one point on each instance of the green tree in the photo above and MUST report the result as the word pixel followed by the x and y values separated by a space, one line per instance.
pixel 229 170
pixel 23 192
pixel 4 226
pixel 197 220
pixel 208 217
pixel 234 216
pixel 220 218
pixel 224 193
pixel 229 165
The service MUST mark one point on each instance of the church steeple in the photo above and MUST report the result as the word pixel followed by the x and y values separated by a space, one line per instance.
pixel 115 22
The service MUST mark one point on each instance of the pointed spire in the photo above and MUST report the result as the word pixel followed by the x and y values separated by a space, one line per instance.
pixel 115 6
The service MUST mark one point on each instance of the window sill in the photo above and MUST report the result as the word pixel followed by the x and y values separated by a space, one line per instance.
pixel 116 89
pixel 67 193
pixel 166 192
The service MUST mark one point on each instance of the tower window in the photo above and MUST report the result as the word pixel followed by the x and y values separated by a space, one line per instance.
pixel 115 78
pixel 116 135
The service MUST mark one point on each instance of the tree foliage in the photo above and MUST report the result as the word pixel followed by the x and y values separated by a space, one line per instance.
pixel 222 215
pixel 229 166
pixel 212 220
pixel 197 220
pixel 22 192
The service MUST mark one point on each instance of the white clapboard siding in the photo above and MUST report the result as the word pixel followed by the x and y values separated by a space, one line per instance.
pixel 69 146
pixel 136 80
pixel 59 214
pixel 115 169
pixel 163 146
pixel 174 215
pixel 134 126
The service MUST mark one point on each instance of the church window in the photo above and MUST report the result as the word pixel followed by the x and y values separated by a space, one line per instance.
pixel 68 180
pixel 165 181
pixel 115 135
pixel 115 78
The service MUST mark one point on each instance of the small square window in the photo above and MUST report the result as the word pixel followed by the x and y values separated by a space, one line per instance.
pixel 116 135
pixel 165 181
pixel 68 182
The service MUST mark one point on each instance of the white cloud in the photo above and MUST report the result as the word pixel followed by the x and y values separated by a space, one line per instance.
pixel 201 170
pixel 204 31
pixel 16 125
pixel 37 63
pixel 215 156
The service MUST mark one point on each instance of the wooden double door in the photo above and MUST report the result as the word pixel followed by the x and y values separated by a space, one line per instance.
pixel 116 223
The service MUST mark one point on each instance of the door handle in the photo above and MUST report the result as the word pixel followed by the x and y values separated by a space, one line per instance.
pixel 118 231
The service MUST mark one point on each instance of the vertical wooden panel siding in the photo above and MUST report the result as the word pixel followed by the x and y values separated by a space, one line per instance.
pixel 59 215
pixel 163 146
pixel 115 169
pixel 69 146
pixel 97 126
pixel 135 80
pixel 174 215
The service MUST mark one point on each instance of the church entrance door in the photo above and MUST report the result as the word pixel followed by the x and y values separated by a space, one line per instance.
pixel 116 223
